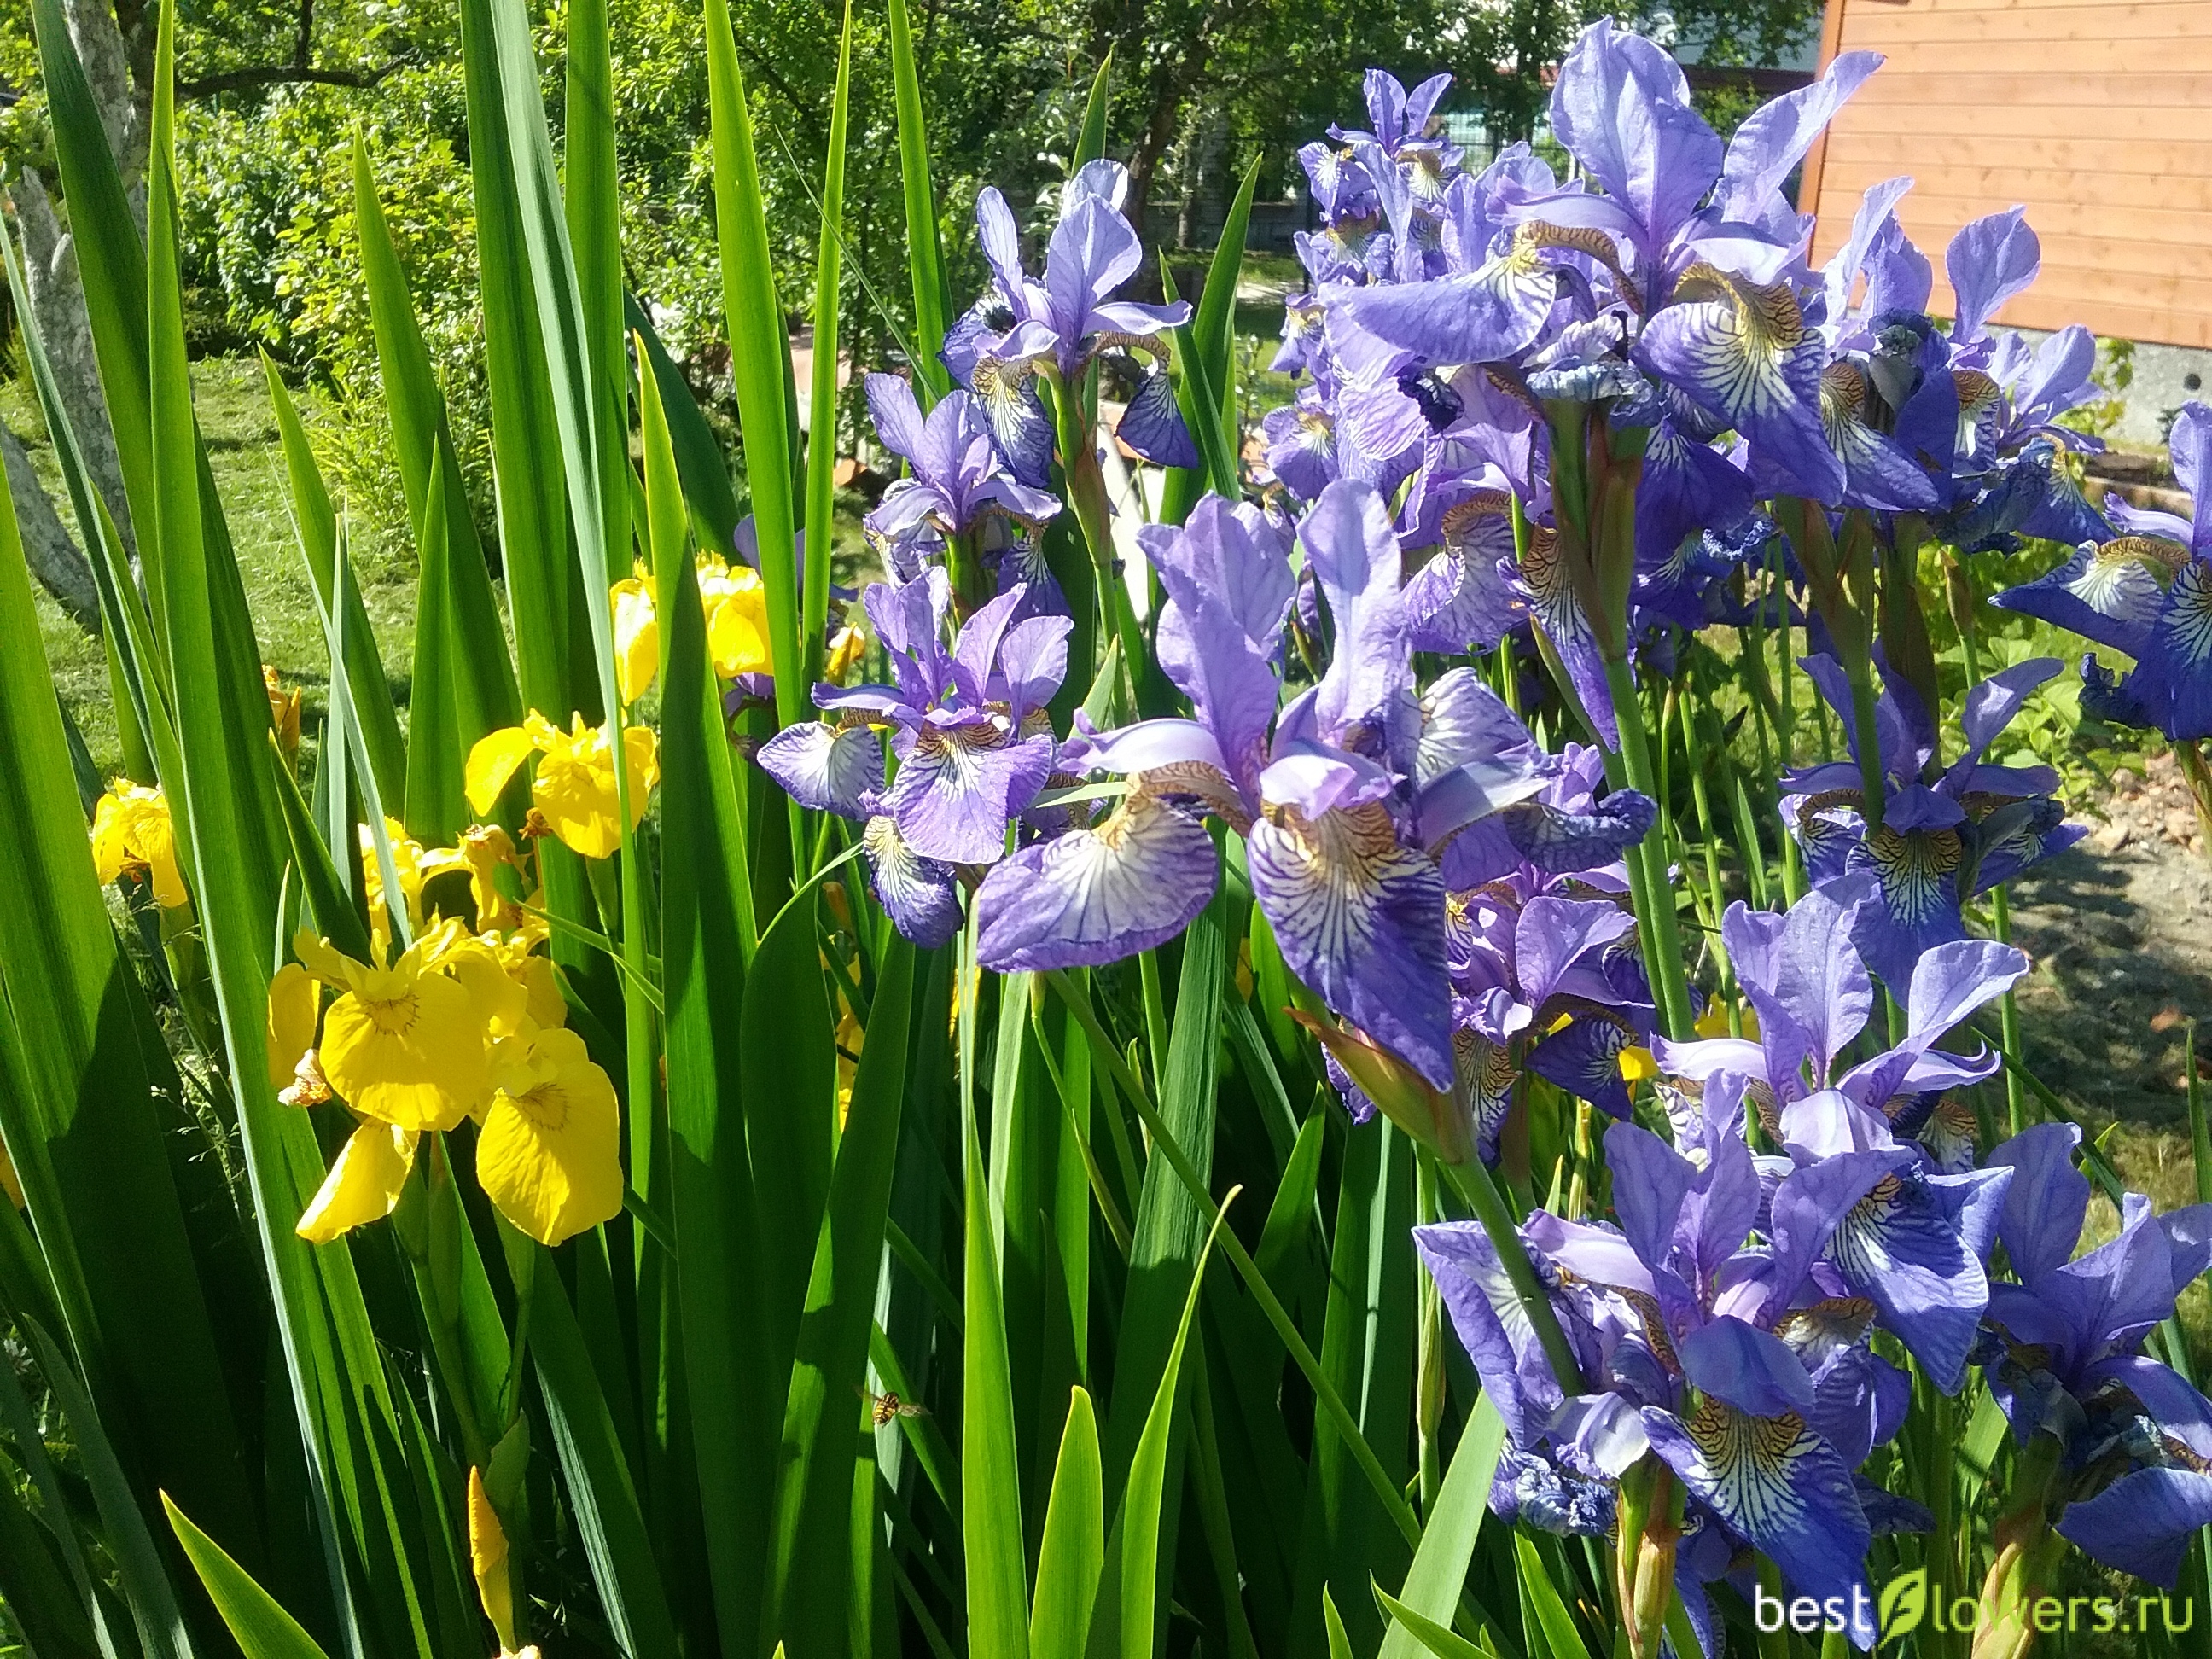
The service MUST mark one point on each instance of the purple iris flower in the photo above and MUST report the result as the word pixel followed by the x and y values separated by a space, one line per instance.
pixel 1962 425
pixel 957 480
pixel 2063 1356
pixel 1713 1331
pixel 1914 1245
pixel 1347 800
pixel 1520 951
pixel 971 734
pixel 1020 328
pixel 2147 593
pixel 1462 599
pixel 1948 834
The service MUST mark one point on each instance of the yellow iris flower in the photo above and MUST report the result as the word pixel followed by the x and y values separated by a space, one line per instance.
pixel 736 608
pixel 131 831
pixel 637 636
pixel 574 787
pixel 1636 1064
pixel 404 1044
pixel 549 1155
pixel 737 618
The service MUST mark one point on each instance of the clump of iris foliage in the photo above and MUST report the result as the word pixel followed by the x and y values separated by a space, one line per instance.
pixel 1229 1060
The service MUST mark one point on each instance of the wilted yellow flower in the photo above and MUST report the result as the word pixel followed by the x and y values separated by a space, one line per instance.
pixel 637 636
pixel 131 831
pixel 737 616
pixel 284 711
pixel 10 1185
pixel 487 1561
pixel 404 1044
pixel 549 1155
pixel 363 1184
pixel 574 788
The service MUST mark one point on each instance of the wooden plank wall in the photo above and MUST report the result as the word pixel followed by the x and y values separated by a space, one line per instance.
pixel 2098 117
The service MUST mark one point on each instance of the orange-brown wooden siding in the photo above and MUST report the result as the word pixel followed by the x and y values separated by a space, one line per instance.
pixel 2098 117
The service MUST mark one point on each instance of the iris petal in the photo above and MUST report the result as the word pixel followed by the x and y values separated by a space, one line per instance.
pixel 1360 918
pixel 1095 896
pixel 1773 1480
pixel 920 895
pixel 826 768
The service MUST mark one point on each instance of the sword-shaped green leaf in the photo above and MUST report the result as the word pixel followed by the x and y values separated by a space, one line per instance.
pixel 925 257
pixel 760 356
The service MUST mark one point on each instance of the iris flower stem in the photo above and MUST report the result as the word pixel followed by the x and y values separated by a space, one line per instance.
pixel 1964 602
pixel 1860 675
pixel 1481 1193
pixel 1670 977
pixel 1086 493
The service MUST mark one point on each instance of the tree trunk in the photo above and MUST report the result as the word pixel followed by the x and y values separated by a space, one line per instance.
pixel 57 306
pixel 52 556
pixel 117 79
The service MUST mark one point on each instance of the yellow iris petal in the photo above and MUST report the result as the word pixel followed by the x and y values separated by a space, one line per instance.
pixel 1636 1064
pixel 293 1002
pixel 157 844
pixel 549 1153
pixel 542 991
pixel 110 826
pixel 493 761
pixel 736 625
pixel 500 1003
pixel 637 637
pixel 363 1184
pixel 321 958
pixel 847 647
pixel 405 1046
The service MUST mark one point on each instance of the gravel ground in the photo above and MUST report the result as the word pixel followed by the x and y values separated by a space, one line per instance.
pixel 2120 929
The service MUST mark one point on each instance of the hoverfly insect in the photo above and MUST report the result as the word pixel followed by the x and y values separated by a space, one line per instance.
pixel 884 1408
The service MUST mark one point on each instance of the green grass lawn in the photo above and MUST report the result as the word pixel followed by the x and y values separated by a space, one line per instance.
pixel 247 460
